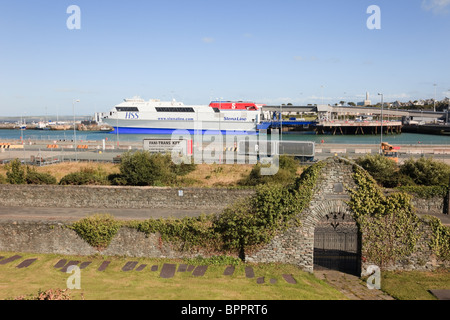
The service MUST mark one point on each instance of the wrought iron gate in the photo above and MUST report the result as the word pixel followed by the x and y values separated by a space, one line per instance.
pixel 337 245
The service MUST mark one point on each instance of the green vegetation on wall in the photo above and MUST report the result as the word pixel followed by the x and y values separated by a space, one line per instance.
pixel 97 230
pixel 389 225
pixel 440 242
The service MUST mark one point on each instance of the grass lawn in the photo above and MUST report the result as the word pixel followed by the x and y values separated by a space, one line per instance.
pixel 414 285
pixel 115 284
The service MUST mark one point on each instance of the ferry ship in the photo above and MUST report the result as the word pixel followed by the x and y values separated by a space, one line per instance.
pixel 137 116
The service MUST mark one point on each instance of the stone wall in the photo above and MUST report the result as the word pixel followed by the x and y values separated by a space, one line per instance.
pixel 56 238
pixel 118 197
pixel 148 197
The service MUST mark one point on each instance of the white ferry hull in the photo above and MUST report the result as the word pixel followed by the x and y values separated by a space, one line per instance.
pixel 136 116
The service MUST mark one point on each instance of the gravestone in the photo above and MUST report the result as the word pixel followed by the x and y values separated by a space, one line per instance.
pixel 289 278
pixel 141 267
pixel 229 271
pixel 104 265
pixel 168 270
pixel 129 266
pixel 249 273
pixel 10 259
pixel 85 264
pixel 70 263
pixel 199 271
pixel 25 263
pixel 61 263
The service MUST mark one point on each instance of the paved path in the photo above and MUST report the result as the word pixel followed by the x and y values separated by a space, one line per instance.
pixel 351 286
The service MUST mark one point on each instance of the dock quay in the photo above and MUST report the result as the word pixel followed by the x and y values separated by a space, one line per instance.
pixel 358 127
pixel 335 127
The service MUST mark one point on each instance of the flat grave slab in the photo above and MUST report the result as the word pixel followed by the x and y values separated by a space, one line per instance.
pixel 441 294
pixel 199 271
pixel 260 280
pixel 70 263
pixel 26 263
pixel 229 271
pixel 168 270
pixel 85 264
pixel 104 265
pixel 141 267
pixel 130 265
pixel 249 273
pixel 10 259
pixel 273 281
pixel 182 268
pixel 154 268
pixel 190 268
pixel 61 263
pixel 289 278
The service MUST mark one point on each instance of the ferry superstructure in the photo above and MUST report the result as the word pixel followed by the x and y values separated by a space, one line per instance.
pixel 137 116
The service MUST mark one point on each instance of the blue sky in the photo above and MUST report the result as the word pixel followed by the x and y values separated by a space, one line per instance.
pixel 270 52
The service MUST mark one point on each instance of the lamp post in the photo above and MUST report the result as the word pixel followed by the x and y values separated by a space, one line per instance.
pixel 381 138
pixel 281 122
pixel 434 102
pixel 448 108
pixel 74 129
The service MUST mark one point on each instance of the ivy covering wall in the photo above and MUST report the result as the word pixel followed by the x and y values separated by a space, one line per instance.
pixel 389 225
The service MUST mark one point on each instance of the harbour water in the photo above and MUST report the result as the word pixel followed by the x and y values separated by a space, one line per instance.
pixel 393 139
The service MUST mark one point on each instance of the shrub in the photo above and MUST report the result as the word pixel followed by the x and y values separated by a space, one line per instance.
pixel 145 169
pixel 15 173
pixel 87 176
pixel 384 170
pixel 426 171
pixel 97 230
pixel 286 173
pixel 51 294
pixel 34 177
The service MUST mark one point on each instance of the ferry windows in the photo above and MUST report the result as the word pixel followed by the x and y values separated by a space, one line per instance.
pixel 170 109
pixel 127 109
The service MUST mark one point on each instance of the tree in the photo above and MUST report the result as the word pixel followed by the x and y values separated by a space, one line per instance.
pixel 15 173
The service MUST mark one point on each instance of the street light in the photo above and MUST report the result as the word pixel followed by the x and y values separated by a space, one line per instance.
pixel 74 129
pixel 448 107
pixel 381 138
pixel 434 102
